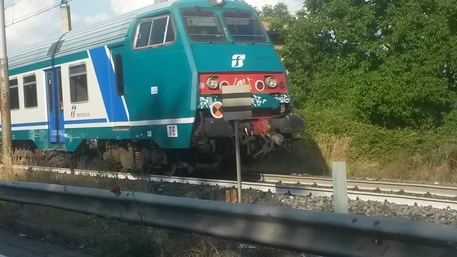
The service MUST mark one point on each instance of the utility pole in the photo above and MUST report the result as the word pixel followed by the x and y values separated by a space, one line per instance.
pixel 65 15
pixel 5 94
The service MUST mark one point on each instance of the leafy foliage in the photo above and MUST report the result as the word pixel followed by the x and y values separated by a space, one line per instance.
pixel 391 63
pixel 277 16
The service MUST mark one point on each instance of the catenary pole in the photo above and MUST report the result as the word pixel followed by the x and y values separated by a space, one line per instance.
pixel 4 93
pixel 65 16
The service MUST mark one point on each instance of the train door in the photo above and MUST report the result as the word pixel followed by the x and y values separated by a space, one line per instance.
pixel 55 106
pixel 120 114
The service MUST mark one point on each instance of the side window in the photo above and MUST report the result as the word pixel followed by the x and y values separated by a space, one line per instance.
pixel 78 84
pixel 30 93
pixel 119 69
pixel 49 83
pixel 14 95
pixel 59 80
pixel 154 31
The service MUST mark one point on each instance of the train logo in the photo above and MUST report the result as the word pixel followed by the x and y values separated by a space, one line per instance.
pixel 73 111
pixel 238 60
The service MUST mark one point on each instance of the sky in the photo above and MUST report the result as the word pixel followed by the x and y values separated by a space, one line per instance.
pixel 41 26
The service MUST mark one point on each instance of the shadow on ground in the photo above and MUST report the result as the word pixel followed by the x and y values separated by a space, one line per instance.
pixel 302 157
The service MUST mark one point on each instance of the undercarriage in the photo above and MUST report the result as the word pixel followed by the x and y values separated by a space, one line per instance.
pixel 212 145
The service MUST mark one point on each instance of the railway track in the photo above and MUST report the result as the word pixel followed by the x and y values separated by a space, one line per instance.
pixel 393 192
pixel 426 190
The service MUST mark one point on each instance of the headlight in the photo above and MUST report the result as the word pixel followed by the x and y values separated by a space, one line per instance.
pixel 212 82
pixel 271 82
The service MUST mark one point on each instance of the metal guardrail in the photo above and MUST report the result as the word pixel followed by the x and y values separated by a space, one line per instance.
pixel 319 233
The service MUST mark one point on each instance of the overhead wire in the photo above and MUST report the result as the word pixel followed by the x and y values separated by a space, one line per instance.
pixel 12 4
pixel 28 16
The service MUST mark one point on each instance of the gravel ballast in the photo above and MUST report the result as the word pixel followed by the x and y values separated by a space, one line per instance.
pixel 325 204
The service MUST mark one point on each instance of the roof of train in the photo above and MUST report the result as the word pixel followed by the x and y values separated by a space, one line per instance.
pixel 103 33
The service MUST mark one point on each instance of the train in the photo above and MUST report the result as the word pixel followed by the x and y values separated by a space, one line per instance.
pixel 158 88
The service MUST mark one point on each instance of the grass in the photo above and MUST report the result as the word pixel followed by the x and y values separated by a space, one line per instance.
pixel 333 148
pixel 101 237
pixel 437 165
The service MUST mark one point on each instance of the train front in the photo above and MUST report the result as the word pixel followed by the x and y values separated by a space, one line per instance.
pixel 240 78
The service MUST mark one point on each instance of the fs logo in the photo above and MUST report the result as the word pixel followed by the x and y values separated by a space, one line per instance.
pixel 238 60
pixel 73 111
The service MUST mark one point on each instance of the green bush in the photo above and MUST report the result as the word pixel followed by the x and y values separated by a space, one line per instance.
pixel 368 140
pixel 400 153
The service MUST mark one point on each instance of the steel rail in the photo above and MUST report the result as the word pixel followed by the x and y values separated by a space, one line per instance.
pixel 383 186
pixel 319 233
pixel 293 188
pixel 322 192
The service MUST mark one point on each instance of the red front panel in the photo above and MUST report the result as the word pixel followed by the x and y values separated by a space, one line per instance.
pixel 255 80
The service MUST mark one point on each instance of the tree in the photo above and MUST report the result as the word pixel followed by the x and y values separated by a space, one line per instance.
pixel 244 1
pixel 393 62
pixel 277 16
pixel 278 10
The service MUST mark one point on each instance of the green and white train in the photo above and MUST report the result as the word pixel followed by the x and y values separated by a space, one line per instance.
pixel 156 87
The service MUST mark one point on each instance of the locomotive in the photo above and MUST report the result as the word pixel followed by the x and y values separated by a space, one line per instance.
pixel 158 87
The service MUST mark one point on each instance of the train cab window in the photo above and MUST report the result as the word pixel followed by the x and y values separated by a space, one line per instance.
pixel 155 31
pixel 78 84
pixel 30 93
pixel 243 26
pixel 14 95
pixel 142 38
pixel 203 26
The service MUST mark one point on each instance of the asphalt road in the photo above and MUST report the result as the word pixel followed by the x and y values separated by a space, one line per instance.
pixel 19 245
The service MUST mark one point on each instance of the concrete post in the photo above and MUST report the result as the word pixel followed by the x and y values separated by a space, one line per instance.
pixel 340 193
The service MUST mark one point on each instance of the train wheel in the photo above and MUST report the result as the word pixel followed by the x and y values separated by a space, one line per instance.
pixel 142 161
pixel 127 158
pixel 170 169
pixel 171 166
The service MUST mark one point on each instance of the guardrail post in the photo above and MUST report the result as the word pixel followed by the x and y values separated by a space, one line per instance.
pixel 340 193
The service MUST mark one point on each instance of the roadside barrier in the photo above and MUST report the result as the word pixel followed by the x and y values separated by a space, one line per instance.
pixel 326 234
